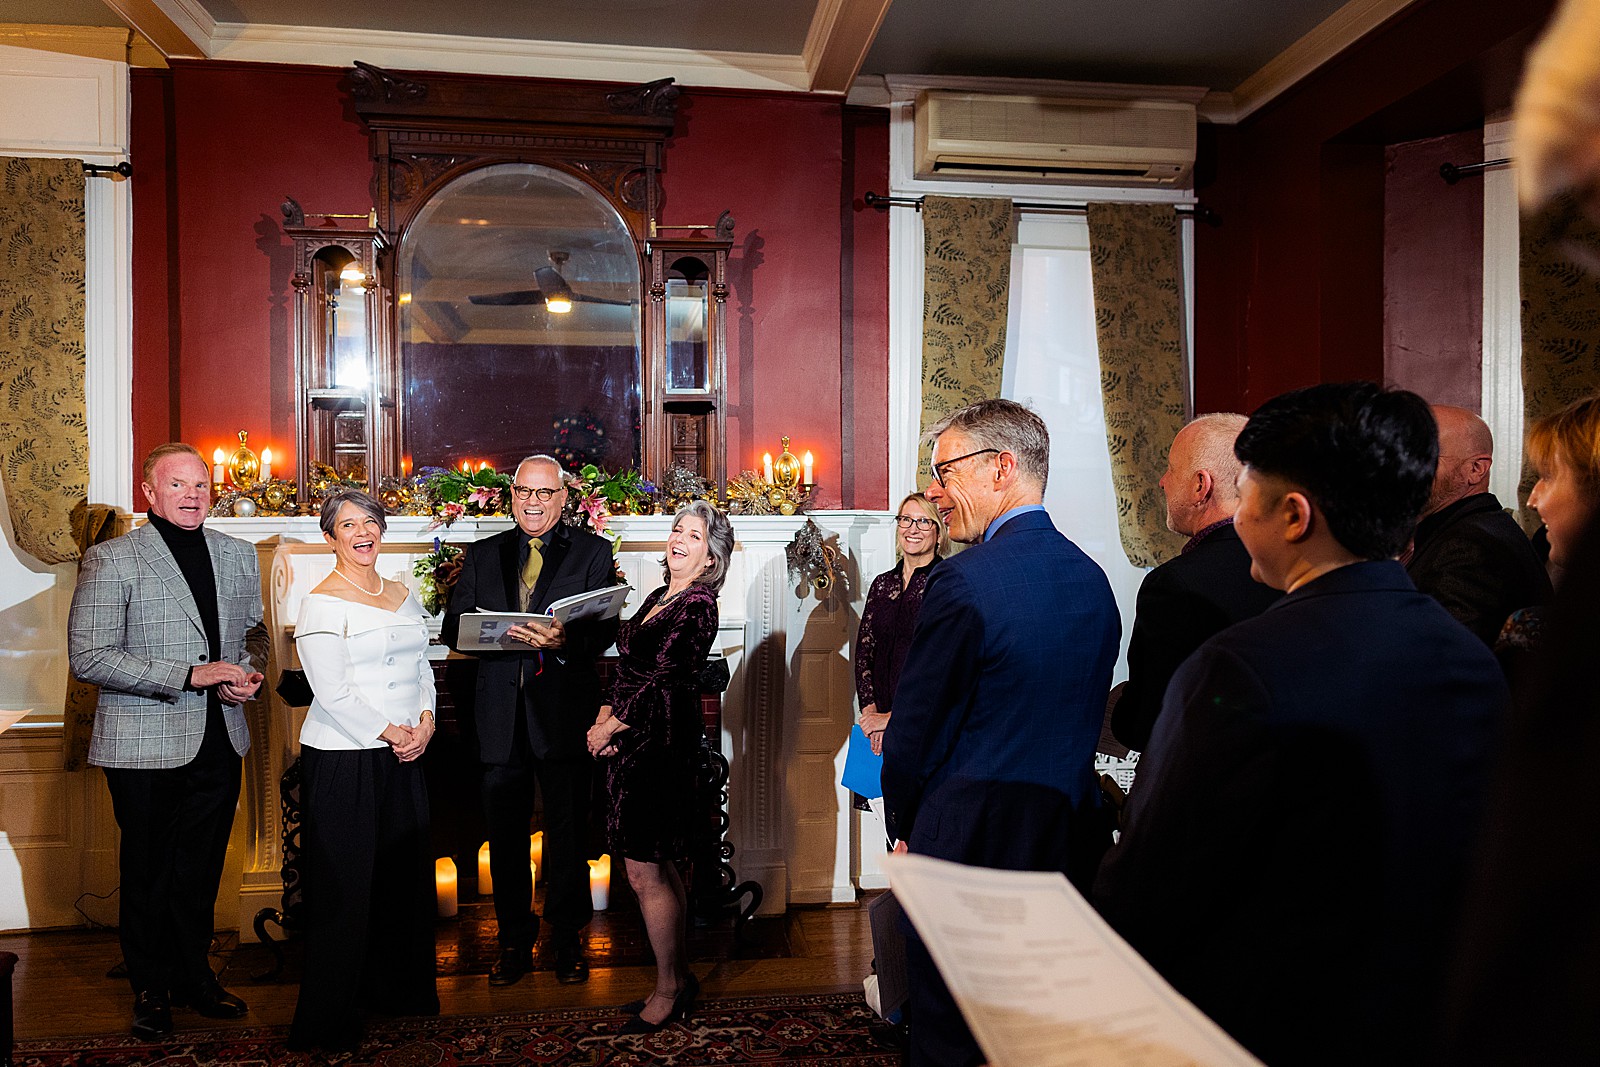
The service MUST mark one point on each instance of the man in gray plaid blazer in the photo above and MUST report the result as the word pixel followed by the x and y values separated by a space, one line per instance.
pixel 166 620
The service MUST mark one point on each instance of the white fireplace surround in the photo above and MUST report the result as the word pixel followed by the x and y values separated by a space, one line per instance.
pixel 785 719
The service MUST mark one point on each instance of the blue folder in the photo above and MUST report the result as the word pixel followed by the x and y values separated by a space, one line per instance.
pixel 863 770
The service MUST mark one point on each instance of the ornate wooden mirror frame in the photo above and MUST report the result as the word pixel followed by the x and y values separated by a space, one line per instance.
pixel 426 130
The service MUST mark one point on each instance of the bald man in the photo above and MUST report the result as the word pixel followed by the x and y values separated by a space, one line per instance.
pixel 1207 588
pixel 1469 554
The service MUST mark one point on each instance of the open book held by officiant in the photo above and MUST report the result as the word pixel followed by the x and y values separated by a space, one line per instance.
pixel 485 631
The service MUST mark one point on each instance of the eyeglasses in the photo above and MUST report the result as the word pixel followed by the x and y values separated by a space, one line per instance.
pixel 523 492
pixel 905 522
pixel 940 468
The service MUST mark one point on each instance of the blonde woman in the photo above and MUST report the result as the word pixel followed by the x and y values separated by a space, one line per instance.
pixel 893 602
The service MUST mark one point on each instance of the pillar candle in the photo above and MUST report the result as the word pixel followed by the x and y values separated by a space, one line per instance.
pixel 805 465
pixel 600 883
pixel 766 465
pixel 485 879
pixel 444 883
pixel 266 465
pixel 216 467
pixel 536 848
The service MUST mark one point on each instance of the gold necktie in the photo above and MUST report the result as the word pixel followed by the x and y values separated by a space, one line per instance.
pixel 530 571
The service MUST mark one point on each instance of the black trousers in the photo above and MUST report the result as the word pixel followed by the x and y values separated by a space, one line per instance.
pixel 508 794
pixel 175 824
pixel 369 894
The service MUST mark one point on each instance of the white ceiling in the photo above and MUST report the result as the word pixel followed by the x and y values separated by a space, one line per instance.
pixel 1243 50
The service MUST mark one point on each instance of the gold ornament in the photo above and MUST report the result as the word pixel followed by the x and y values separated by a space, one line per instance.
pixel 244 466
pixel 275 495
pixel 786 469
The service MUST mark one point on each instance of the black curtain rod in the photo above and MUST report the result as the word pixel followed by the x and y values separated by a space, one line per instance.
pixel 1452 173
pixel 105 170
pixel 1200 212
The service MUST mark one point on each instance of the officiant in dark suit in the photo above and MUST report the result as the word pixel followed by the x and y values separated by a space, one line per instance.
pixel 533 709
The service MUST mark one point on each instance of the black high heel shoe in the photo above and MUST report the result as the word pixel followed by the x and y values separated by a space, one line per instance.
pixel 682 1005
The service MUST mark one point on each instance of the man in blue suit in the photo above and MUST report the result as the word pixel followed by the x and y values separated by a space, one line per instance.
pixel 1294 850
pixel 990 758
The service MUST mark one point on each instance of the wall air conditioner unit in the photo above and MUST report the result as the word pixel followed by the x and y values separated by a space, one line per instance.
pixel 1069 141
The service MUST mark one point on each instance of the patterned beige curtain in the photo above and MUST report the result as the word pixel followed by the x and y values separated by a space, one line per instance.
pixel 44 436
pixel 1134 258
pixel 967 253
pixel 1560 321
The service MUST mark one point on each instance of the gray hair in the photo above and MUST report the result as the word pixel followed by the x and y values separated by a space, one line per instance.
pixel 1212 451
pixel 334 501
pixel 1005 426
pixel 719 541
pixel 541 457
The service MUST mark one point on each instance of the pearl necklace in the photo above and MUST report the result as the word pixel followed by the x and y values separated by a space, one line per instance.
pixel 351 583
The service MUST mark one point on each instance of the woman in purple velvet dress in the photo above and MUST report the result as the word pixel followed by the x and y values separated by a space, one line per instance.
pixel 649 734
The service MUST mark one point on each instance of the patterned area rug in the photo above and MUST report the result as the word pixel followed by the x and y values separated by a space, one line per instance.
pixel 795 1031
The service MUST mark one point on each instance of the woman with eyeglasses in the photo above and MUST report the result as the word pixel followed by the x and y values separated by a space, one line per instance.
pixel 893 602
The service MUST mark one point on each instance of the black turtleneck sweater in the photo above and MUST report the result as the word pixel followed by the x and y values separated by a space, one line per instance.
pixel 188 548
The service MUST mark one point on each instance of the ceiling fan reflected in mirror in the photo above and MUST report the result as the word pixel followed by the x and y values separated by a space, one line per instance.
pixel 553 293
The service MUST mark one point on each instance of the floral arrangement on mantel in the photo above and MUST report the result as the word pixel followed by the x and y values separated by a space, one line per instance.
pixel 597 494
pixel 437 573
pixel 453 494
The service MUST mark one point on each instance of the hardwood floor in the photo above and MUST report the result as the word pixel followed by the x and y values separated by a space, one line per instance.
pixel 61 985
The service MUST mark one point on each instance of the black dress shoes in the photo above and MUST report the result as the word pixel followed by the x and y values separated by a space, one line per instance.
pixel 511 966
pixel 212 1001
pixel 571 967
pixel 152 1016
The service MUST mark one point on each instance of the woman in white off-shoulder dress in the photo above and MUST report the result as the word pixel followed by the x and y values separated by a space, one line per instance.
pixel 368 873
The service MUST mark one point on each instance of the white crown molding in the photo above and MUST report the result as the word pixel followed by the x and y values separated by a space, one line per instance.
pixel 903 88
pixel 1333 35
pixel 321 46
pixel 192 18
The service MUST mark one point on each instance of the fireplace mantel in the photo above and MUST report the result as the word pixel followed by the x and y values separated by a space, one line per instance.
pixel 786 714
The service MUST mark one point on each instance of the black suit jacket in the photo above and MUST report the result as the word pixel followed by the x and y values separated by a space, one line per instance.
pixel 561 690
pixel 1181 603
pixel 1295 846
pixel 1475 560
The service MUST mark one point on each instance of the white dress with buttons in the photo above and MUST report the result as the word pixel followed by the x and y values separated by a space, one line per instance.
pixel 368 667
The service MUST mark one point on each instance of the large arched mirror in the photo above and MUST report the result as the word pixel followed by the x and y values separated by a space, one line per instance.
pixel 519 323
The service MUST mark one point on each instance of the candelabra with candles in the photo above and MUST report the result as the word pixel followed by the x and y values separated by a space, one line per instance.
pixel 783 487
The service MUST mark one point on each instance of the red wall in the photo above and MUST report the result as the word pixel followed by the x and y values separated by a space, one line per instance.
pixel 1289 289
pixel 1433 271
pixel 219 145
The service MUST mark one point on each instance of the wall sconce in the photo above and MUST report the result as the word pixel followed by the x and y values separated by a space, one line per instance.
pixel 244 466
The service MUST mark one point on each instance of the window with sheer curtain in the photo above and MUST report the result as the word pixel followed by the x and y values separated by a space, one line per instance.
pixel 1052 364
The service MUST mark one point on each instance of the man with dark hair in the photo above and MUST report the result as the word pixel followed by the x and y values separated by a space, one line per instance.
pixel 990 758
pixel 1293 856
pixel 1470 555
pixel 1206 588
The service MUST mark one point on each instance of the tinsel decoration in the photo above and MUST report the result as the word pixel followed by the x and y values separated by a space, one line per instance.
pixel 275 497
pixel 750 494
pixel 679 485
pixel 812 560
